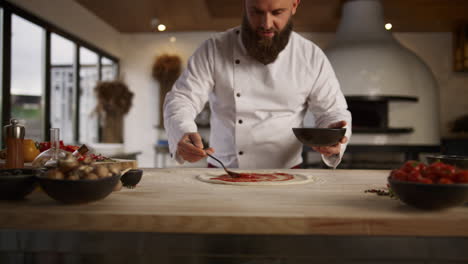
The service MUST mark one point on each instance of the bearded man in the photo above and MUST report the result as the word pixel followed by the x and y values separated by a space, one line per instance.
pixel 260 80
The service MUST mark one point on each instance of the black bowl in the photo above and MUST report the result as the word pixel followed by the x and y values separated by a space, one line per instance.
pixel 131 178
pixel 319 137
pixel 430 196
pixel 457 161
pixel 16 184
pixel 78 191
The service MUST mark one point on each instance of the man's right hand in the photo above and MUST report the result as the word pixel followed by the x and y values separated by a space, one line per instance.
pixel 191 148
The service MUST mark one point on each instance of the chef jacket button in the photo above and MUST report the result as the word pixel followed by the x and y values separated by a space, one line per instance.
pixel 240 121
pixel 237 61
pixel 241 152
pixel 237 32
pixel 238 94
pixel 171 155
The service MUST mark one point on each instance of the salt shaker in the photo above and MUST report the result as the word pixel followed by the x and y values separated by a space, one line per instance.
pixel 14 136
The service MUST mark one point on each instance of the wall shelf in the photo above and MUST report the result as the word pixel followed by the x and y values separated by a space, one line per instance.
pixel 380 98
pixel 385 130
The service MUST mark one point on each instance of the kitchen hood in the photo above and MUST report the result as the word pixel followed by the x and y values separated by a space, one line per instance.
pixel 382 79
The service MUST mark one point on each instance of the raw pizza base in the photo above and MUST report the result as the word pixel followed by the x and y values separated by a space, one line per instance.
pixel 298 179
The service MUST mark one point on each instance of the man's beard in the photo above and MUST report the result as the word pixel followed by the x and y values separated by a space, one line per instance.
pixel 263 49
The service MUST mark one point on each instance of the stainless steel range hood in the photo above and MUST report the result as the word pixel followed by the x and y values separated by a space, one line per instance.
pixel 372 65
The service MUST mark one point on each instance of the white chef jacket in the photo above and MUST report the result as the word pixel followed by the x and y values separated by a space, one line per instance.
pixel 255 106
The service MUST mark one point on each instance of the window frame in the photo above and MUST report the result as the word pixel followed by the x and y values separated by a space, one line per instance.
pixel 8 10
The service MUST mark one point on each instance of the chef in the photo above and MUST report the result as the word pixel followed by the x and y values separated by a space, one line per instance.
pixel 260 79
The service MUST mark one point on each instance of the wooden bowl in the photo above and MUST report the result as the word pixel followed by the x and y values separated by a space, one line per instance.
pixel 430 196
pixel 319 137
pixel 16 184
pixel 78 191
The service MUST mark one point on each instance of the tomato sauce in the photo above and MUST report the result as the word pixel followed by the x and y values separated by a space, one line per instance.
pixel 256 177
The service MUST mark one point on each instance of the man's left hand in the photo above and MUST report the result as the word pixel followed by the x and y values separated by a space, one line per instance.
pixel 334 149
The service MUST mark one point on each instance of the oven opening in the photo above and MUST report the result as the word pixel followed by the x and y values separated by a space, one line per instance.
pixel 368 114
pixel 371 114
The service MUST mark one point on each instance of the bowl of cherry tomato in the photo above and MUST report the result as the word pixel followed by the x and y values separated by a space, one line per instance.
pixel 431 187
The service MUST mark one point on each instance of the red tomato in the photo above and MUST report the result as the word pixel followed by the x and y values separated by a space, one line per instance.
pixel 421 167
pixel 462 176
pixel 410 165
pixel 433 176
pixel 437 165
pixel 399 175
pixel 425 180
pixel 414 176
pixel 445 181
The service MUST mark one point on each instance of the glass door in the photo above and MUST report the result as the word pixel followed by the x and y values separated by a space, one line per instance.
pixel 27 76
pixel 89 75
pixel 63 91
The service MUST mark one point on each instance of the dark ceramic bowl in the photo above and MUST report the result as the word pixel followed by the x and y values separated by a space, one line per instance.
pixel 430 196
pixel 131 178
pixel 78 191
pixel 457 161
pixel 319 137
pixel 15 184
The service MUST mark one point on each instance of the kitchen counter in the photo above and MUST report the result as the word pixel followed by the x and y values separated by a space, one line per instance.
pixel 174 201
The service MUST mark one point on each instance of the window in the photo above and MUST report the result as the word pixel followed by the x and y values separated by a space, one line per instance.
pixel 108 69
pixel 27 76
pixel 62 85
pixel 89 75
pixel 49 77
pixel 1 69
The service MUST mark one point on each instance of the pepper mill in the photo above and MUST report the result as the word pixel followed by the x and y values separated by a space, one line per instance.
pixel 14 136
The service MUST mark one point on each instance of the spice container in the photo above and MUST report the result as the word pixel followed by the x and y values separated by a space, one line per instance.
pixel 14 135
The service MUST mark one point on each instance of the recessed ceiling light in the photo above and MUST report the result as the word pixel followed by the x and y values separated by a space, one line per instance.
pixel 161 27
pixel 388 26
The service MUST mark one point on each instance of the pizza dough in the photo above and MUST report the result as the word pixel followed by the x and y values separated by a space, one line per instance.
pixel 282 179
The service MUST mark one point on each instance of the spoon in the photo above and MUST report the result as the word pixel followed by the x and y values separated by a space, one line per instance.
pixel 229 172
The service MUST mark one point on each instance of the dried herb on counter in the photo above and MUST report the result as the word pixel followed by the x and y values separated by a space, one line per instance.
pixel 383 192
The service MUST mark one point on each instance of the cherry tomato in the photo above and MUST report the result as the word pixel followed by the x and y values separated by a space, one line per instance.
pixel 445 181
pixel 399 175
pixel 414 176
pixel 462 176
pixel 425 180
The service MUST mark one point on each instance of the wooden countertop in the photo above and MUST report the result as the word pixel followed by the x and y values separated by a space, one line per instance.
pixel 172 200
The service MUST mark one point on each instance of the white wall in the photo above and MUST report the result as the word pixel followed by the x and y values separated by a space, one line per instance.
pixel 436 50
pixel 73 18
pixel 141 49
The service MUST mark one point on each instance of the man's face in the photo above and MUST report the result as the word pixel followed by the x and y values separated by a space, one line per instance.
pixel 269 17
pixel 266 27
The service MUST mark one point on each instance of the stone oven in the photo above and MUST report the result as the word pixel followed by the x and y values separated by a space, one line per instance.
pixel 391 92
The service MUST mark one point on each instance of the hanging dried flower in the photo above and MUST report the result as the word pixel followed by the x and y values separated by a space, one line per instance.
pixel 114 100
pixel 113 97
pixel 166 69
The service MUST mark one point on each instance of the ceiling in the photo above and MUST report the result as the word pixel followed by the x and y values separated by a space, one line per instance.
pixel 312 15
